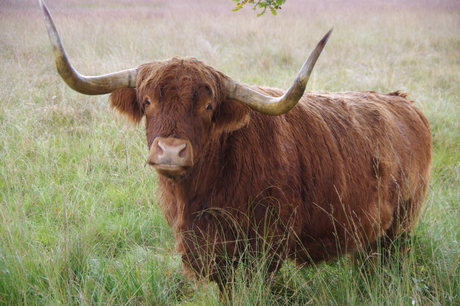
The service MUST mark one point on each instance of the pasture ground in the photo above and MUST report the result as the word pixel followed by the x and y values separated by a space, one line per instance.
pixel 79 221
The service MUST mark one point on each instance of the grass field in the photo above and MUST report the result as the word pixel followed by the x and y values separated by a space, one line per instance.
pixel 79 221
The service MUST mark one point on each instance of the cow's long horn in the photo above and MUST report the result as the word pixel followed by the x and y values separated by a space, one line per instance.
pixel 278 105
pixel 89 85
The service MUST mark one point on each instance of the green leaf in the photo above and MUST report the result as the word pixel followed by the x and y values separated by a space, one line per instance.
pixel 273 5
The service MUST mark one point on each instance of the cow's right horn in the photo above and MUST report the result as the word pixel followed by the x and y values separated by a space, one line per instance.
pixel 277 105
pixel 89 85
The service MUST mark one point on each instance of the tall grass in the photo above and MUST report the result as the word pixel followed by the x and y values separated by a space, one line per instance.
pixel 79 221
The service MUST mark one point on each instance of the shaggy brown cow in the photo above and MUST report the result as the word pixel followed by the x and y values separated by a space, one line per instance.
pixel 331 176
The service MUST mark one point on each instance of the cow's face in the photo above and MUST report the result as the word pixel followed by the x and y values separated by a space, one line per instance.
pixel 185 108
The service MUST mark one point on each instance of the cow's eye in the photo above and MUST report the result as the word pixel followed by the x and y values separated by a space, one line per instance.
pixel 208 107
pixel 147 101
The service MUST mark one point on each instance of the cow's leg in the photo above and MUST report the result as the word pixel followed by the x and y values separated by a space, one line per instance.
pixel 396 240
pixel 250 271
pixel 393 244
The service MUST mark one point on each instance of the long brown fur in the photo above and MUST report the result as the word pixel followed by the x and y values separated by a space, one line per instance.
pixel 327 178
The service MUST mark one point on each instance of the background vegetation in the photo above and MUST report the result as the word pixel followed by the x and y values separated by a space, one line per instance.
pixel 79 221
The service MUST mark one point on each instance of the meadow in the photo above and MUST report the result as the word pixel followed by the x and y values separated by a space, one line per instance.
pixel 79 219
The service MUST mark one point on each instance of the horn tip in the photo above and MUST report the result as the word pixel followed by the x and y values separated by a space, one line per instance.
pixel 324 40
pixel 46 12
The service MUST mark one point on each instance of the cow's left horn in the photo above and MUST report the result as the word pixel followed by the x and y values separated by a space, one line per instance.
pixel 277 105
pixel 89 85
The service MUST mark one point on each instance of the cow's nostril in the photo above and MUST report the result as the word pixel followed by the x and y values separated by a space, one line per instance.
pixel 159 149
pixel 183 152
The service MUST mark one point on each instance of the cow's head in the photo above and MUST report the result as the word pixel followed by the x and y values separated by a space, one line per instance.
pixel 185 102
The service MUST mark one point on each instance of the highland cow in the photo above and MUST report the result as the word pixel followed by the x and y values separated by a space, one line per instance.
pixel 244 169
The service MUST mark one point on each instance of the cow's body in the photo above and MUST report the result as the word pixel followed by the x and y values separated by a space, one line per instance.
pixel 289 175
pixel 331 176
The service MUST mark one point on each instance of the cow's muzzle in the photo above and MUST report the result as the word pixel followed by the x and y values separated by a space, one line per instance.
pixel 170 157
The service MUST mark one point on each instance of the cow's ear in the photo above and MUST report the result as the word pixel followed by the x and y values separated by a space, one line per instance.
pixel 125 101
pixel 231 115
